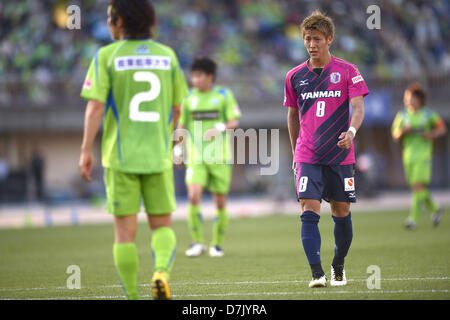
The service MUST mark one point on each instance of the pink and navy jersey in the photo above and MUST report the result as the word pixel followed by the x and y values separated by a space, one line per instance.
pixel 324 111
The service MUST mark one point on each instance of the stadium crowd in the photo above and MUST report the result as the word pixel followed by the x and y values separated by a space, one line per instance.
pixel 254 42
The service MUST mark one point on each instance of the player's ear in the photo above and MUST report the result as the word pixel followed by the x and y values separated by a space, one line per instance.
pixel 211 77
pixel 330 40
pixel 119 22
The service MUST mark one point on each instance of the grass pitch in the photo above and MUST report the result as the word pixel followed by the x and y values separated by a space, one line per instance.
pixel 264 259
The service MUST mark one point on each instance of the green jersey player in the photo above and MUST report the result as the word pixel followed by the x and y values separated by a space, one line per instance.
pixel 417 127
pixel 207 113
pixel 136 85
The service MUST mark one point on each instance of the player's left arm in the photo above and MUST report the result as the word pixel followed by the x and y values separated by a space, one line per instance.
pixel 233 112
pixel 439 128
pixel 232 124
pixel 346 138
pixel 180 90
pixel 357 90
pixel 232 116
pixel 176 115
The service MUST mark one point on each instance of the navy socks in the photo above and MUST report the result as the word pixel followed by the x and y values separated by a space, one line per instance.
pixel 343 235
pixel 311 237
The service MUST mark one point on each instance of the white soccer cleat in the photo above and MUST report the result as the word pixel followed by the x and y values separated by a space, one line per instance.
pixel 318 282
pixel 216 251
pixel 338 276
pixel 195 250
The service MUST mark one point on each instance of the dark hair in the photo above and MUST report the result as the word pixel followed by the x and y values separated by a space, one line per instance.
pixel 204 64
pixel 418 92
pixel 138 17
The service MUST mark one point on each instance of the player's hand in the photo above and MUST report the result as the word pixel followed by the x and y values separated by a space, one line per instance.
pixel 406 129
pixel 85 165
pixel 294 168
pixel 177 156
pixel 210 134
pixel 345 140
pixel 428 135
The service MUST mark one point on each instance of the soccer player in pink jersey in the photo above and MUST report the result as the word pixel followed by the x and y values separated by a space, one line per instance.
pixel 318 93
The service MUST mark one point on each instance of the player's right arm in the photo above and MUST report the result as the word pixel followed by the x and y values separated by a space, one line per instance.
pixel 293 127
pixel 293 122
pixel 95 89
pixel 398 129
pixel 92 120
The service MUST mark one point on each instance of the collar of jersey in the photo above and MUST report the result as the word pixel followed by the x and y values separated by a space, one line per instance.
pixel 323 69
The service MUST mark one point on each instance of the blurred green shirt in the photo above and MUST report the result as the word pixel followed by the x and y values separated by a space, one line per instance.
pixel 415 147
pixel 202 111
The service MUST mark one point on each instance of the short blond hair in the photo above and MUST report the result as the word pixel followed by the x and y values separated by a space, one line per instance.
pixel 318 21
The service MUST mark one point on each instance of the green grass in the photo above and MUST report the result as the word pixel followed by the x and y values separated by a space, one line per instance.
pixel 264 260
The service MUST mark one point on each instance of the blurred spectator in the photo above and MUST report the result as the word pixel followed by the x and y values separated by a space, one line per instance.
pixel 37 173
pixel 4 169
pixel 255 42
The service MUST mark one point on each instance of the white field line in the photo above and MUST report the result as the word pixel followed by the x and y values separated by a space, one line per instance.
pixel 230 294
pixel 219 283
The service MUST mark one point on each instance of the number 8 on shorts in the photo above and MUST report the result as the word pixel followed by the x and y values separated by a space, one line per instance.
pixel 302 183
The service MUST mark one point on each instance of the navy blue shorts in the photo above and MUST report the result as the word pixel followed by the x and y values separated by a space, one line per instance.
pixel 328 182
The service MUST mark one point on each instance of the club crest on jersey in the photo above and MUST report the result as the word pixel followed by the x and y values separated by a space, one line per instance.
pixel 335 77
pixel 87 84
pixel 349 184
pixel 143 48
pixel 321 94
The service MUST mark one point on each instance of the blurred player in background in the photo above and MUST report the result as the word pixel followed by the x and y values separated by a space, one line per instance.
pixel 417 127
pixel 138 86
pixel 213 109
pixel 318 93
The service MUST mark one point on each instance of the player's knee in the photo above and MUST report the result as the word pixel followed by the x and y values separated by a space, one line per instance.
pixel 125 228
pixel 194 198
pixel 194 194
pixel 124 235
pixel 158 221
pixel 340 210
pixel 220 200
pixel 310 205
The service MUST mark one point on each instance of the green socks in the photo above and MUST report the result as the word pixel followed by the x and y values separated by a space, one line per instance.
pixel 195 222
pixel 127 263
pixel 220 227
pixel 431 205
pixel 420 198
pixel 163 249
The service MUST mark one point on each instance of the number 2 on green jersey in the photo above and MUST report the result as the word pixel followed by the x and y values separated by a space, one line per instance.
pixel 138 98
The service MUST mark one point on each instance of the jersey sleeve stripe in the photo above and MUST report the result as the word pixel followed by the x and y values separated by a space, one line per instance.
pixel 110 102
